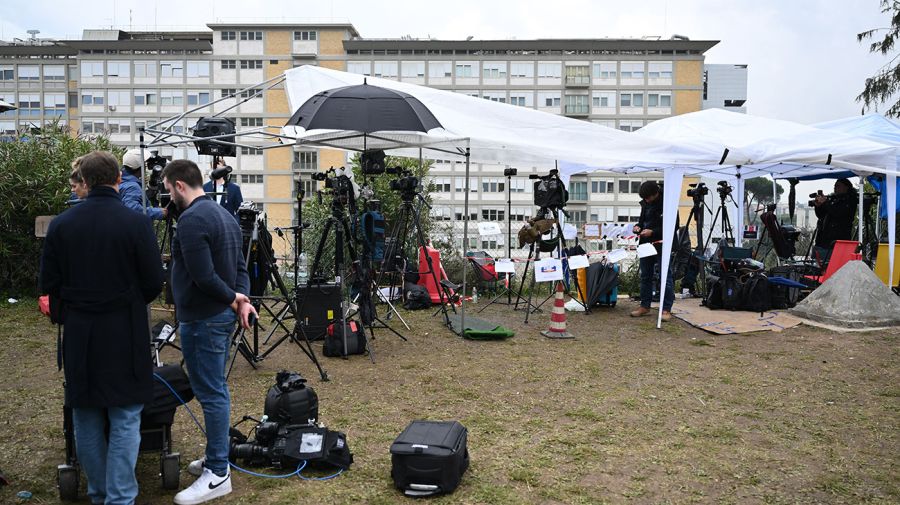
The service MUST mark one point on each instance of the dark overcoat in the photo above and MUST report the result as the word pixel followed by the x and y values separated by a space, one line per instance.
pixel 101 266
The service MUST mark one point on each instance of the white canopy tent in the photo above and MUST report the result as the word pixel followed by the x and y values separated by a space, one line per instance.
pixel 750 146
pixel 484 131
pixel 877 128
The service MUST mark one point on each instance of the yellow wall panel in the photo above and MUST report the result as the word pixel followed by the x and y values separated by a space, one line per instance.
pixel 279 159
pixel 279 186
pixel 277 102
pixel 331 42
pixel 331 158
pixel 278 42
pixel 334 65
pixel 687 101
pixel 689 73
pixel 277 69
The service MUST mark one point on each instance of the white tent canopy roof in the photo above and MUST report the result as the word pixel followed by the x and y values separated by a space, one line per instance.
pixel 496 132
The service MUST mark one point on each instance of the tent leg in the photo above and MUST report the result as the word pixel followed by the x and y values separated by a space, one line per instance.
pixel 462 311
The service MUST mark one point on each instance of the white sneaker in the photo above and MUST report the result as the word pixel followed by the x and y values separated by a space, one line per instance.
pixel 195 468
pixel 205 488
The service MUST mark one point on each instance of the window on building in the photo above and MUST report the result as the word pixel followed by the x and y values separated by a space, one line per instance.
pixel 145 69
pixel 228 35
pixel 519 213
pixel 251 35
pixel 578 190
pixel 171 97
pixel 495 96
pixel 251 122
pixel 549 70
pixel 441 213
pixel 493 214
pixel 251 179
pixel 601 99
pixel 521 98
pixel 54 73
pixel 119 125
pixel 92 97
pixel 359 67
pixel 659 100
pixel 494 70
pixel 518 185
pixel 116 97
pixel 521 69
pixel 602 187
pixel 493 185
pixel 228 64
pixel 89 125
pixel 601 214
pixel 628 214
pixel 632 70
pixel 198 69
pixel 29 73
pixel 6 73
pixel 386 69
pixel 7 127
pixel 489 244
pixel 440 69
pixel 91 69
pixel 604 70
pixel 630 126
pixel 631 99
pixel 466 69
pixel 198 97
pixel 54 104
pixel 579 217
pixel 659 70
pixel 145 97
pixel 251 151
pixel 251 64
pixel 441 185
pixel 412 69
pixel 549 98
pixel 629 186
pixel 305 35
pixel 171 69
pixel 458 214
pixel 118 69
pixel 307 160
pixel 460 184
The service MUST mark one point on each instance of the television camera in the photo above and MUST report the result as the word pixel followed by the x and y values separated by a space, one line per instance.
pixel 406 184
pixel 698 191
pixel 156 190
pixel 340 181
pixel 549 190
pixel 724 189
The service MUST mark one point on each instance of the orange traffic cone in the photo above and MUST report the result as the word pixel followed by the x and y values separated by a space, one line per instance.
pixel 558 317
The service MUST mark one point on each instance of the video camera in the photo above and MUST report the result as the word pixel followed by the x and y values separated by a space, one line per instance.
pixel 724 189
pixel 340 182
pixel 406 183
pixel 156 190
pixel 549 190
pixel 697 191
pixel 813 196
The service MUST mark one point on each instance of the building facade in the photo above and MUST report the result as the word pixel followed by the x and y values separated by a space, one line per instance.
pixel 725 87
pixel 115 82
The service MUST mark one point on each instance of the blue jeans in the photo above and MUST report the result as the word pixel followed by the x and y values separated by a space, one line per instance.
pixel 109 465
pixel 205 344
pixel 647 266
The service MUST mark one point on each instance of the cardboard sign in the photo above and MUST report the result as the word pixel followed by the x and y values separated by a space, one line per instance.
pixel 40 225
pixel 592 230
pixel 504 266
pixel 548 269
pixel 569 231
pixel 579 261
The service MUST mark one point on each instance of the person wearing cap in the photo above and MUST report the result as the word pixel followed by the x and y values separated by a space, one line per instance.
pixel 650 230
pixel 835 213
pixel 130 189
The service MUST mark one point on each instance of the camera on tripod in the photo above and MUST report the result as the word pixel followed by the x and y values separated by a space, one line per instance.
pixel 406 183
pixel 549 190
pixel 698 191
pixel 248 214
pixel 724 189
pixel 340 184
pixel 156 190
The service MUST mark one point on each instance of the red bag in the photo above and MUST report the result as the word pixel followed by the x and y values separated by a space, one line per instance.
pixel 44 305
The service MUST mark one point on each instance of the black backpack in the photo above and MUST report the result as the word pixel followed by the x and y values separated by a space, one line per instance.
pixel 291 400
pixel 334 340
pixel 731 291
pixel 417 297
pixel 756 294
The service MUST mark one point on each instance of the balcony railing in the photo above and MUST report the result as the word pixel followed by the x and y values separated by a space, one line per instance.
pixel 578 80
pixel 577 110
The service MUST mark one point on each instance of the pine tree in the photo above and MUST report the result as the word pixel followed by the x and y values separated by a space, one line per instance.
pixel 883 85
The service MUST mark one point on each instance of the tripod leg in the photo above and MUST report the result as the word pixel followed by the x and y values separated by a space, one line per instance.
pixel 319 249
pixel 524 276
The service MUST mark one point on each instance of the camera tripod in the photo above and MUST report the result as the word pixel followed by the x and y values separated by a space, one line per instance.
pixel 697 257
pixel 409 217
pixel 727 231
pixel 534 254
pixel 259 257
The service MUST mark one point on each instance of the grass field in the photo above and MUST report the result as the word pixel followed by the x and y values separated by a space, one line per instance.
pixel 624 414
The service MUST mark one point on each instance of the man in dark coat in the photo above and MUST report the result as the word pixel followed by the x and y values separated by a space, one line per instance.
pixel 222 190
pixel 835 212
pixel 101 266
pixel 650 229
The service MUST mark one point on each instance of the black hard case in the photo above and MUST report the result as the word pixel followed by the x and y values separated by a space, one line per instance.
pixel 429 453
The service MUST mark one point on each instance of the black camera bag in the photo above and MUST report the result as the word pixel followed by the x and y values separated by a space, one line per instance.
pixel 291 400
pixel 417 297
pixel 550 192
pixel 162 409
pixel 784 297
pixel 312 444
pixel 334 340
pixel 429 457
pixel 755 294
pixel 731 291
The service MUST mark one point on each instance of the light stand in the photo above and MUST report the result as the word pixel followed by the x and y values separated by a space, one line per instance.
pixel 508 172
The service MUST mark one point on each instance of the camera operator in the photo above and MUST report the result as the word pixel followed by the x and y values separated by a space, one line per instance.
pixel 222 190
pixel 650 229
pixel 835 213
pixel 209 283
pixel 130 189
pixel 100 266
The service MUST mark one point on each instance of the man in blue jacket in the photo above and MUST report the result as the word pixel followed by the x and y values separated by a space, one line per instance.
pixel 130 188
pixel 209 283
pixel 222 190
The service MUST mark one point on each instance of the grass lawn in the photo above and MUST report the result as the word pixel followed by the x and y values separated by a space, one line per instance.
pixel 625 413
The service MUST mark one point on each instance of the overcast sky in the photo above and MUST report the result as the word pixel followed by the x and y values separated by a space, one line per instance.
pixel 805 63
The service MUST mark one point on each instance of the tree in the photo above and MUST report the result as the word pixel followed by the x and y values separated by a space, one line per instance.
pixel 759 189
pixel 34 181
pixel 883 85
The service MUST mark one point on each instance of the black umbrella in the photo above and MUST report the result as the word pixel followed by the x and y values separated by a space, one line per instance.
pixel 364 108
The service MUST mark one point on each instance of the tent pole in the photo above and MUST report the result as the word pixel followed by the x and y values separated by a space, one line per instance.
pixel 859 208
pixel 673 177
pixel 890 191
pixel 462 305
pixel 143 173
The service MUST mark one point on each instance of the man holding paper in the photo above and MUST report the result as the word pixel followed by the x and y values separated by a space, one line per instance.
pixel 650 229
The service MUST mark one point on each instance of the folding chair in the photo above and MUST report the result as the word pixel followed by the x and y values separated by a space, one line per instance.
pixel 485 274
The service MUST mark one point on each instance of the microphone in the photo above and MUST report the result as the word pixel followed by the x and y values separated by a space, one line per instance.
pixel 220 172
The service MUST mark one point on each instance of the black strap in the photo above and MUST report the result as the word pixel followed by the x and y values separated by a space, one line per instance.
pixel 59 352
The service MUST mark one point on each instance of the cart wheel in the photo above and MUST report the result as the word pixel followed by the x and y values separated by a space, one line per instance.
pixel 67 480
pixel 171 468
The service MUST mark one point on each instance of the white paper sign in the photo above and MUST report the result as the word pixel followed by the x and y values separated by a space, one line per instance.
pixel 646 250
pixel 487 229
pixel 548 269
pixel 504 266
pixel 569 231
pixel 579 261
pixel 592 231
